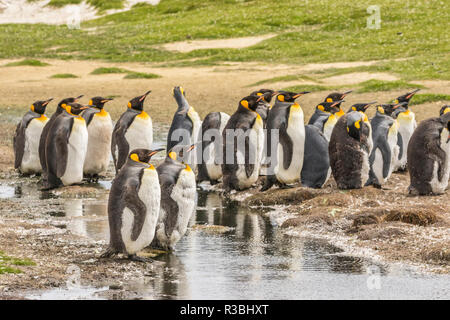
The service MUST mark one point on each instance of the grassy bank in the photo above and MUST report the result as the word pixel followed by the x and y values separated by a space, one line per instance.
pixel 412 34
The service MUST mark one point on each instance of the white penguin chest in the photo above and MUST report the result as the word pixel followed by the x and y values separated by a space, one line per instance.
pixel 77 148
pixel 150 194
pixel 329 126
pixel 99 144
pixel 140 132
pixel 296 131
pixel 30 161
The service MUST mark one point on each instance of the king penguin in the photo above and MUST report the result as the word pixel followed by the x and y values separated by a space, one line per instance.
pixel 26 138
pixel 444 109
pixel 100 129
pixel 186 124
pixel 349 150
pixel 133 130
pixel 385 148
pixel 324 117
pixel 210 135
pixel 286 118
pixel 264 104
pixel 243 140
pixel 337 96
pixel 133 206
pixel 66 147
pixel 43 139
pixel 429 156
pixel 361 107
pixel 178 197
pixel 406 126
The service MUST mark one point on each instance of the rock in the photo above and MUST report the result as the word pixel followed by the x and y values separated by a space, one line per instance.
pixel 416 216
pixel 281 196
pixel 322 218
pixel 212 229
pixel 364 219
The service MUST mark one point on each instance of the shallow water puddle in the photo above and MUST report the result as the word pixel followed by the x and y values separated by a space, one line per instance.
pixel 235 252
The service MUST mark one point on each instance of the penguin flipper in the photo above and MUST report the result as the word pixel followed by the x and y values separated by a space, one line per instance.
pixel 137 206
pixel 170 207
pixel 286 143
pixel 387 156
pixel 19 145
pixel 120 142
pixel 249 167
pixel 400 145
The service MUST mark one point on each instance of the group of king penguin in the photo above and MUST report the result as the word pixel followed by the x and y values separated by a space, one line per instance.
pixel 151 207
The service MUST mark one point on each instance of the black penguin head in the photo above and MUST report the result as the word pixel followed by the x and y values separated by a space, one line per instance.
pixel 392 110
pixel 330 107
pixel 336 96
pixel 355 124
pixel 445 109
pixel 180 97
pixel 143 155
pixel 75 108
pixel 266 93
pixel 362 107
pixel 138 102
pixel 39 106
pixel 287 96
pixel 98 102
pixel 180 152
pixel 405 98
pixel 62 104
pixel 250 102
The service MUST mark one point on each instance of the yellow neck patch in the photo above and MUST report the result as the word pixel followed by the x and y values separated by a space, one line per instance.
pixel 340 113
pixel 188 168
pixel 173 155
pixel 353 108
pixel 42 117
pixel 152 167
pixel 358 124
pixel 102 113
pixel 143 115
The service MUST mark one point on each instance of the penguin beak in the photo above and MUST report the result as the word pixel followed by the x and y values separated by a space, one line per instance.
pixel 155 151
pixel 368 105
pixel 346 93
pixel 47 102
pixel 336 103
pixel 409 95
pixel 300 94
pixel 400 105
pixel 107 100
pixel 144 96
pixel 84 107
pixel 260 98
pixel 275 93
pixel 79 97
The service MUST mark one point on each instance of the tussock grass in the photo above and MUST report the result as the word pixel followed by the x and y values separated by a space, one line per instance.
pixel 379 85
pixel 27 62
pixel 141 75
pixel 428 97
pixel 7 263
pixel 63 76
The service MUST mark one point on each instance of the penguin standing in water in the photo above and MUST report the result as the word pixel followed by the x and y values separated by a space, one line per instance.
pixel 324 117
pixel 43 139
pixel 133 206
pixel 100 129
pixel 178 194
pixel 429 156
pixel 385 149
pixel 316 163
pixel 133 130
pixel 243 139
pixel 349 150
pixel 286 116
pixel 26 138
pixel 210 166
pixel 406 126
pixel 185 125
pixel 66 148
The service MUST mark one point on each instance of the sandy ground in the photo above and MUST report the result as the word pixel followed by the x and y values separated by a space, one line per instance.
pixel 386 224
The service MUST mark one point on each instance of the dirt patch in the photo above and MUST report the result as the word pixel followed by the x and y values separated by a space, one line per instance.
pixel 421 217
pixel 235 43
pixel 357 77
pixel 281 196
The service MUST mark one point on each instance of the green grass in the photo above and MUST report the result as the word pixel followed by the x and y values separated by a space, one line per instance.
pixel 323 31
pixel 100 5
pixel 292 77
pixel 429 97
pixel 378 85
pixel 63 76
pixel 27 62
pixel 7 263
pixel 141 75
pixel 310 87
pixel 110 70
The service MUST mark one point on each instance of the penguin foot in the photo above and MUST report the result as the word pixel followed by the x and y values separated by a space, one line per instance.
pixel 134 257
pixel 213 182
pixel 108 253
pixel 267 185
pixel 285 186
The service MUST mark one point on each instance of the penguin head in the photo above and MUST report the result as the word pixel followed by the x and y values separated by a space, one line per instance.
pixel 405 98
pixel 266 93
pixel 180 152
pixel 392 110
pixel 362 107
pixel 355 123
pixel 138 102
pixel 39 106
pixel 143 155
pixel 98 102
pixel 180 97
pixel 287 96
pixel 250 102
pixel 75 108
pixel 336 96
pixel 64 102
pixel 330 107
pixel 445 109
